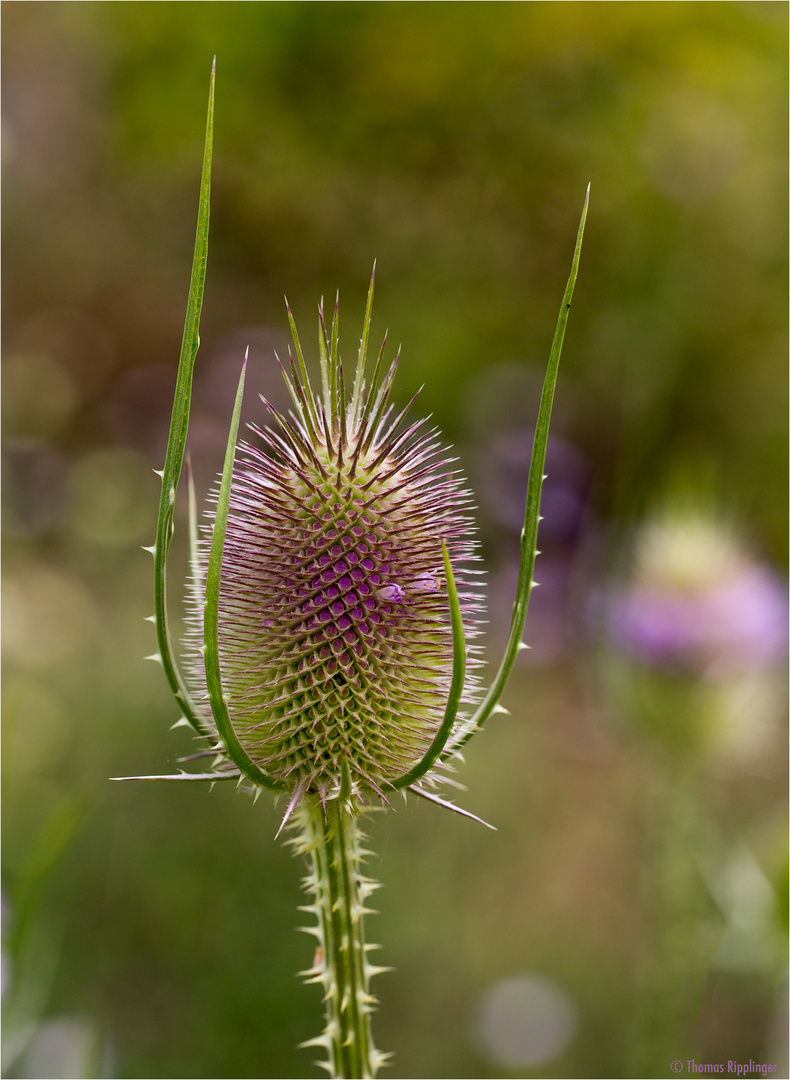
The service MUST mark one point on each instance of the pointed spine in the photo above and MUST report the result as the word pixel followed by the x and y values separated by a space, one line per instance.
pixel 378 411
pixel 303 377
pixel 359 375
pixel 337 369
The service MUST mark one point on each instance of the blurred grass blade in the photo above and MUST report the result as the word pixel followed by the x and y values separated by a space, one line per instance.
pixel 218 701
pixel 456 683
pixel 529 534
pixel 179 423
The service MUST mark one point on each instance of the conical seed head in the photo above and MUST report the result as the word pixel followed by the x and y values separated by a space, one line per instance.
pixel 335 642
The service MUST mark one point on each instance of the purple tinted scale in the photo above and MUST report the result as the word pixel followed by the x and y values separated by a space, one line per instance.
pixel 368 564
pixel 338 607
pixel 344 622
pixel 357 575
pixel 344 583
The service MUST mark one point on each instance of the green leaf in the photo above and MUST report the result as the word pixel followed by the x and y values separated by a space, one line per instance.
pixel 179 423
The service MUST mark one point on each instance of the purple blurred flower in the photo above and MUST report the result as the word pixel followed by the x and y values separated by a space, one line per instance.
pixel 697 601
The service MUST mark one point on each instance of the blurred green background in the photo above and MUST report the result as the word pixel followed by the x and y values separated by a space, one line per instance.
pixel 150 929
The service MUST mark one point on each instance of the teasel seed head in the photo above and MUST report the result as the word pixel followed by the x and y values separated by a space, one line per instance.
pixel 334 636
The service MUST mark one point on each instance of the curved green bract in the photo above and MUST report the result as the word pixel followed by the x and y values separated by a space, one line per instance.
pixel 529 534
pixel 176 440
pixel 456 683
pixel 219 707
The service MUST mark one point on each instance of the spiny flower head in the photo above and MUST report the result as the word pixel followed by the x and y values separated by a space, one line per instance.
pixel 334 638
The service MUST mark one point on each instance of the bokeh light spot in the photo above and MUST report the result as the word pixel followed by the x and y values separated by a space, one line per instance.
pixel 524 1021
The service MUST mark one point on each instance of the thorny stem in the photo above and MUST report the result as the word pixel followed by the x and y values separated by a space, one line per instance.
pixel 331 839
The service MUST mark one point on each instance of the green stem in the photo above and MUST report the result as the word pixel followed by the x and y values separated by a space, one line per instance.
pixel 332 840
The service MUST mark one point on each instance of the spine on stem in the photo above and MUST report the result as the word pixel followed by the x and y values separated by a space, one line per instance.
pixel 331 839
